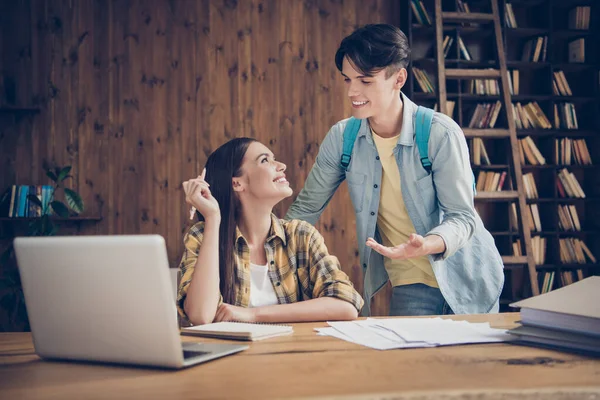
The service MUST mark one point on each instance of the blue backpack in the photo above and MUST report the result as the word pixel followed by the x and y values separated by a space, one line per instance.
pixel 424 118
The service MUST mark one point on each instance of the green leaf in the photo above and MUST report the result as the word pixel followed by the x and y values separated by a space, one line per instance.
pixel 74 200
pixel 50 174
pixel 60 209
pixel 34 199
pixel 63 173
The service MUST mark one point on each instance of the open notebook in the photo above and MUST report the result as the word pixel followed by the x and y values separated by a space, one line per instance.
pixel 238 330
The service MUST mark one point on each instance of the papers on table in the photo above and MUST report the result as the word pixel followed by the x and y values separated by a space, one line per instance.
pixel 402 333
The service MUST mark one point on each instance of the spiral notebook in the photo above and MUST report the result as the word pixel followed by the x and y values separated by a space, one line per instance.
pixel 238 330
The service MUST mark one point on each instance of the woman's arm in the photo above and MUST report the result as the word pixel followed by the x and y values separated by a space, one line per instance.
pixel 203 295
pixel 321 309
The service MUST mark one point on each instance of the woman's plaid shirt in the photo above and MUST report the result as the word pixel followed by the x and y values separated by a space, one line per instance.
pixel 300 267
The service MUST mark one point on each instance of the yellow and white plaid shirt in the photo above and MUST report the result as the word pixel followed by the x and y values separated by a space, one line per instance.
pixel 300 267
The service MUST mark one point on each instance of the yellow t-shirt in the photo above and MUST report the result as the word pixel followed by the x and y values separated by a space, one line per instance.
pixel 394 223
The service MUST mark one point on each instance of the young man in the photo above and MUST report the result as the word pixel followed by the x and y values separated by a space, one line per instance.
pixel 435 251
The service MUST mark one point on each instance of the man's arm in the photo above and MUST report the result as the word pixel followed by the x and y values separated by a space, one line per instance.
pixel 322 182
pixel 453 180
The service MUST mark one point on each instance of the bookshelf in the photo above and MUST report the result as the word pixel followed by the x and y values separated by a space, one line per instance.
pixel 555 24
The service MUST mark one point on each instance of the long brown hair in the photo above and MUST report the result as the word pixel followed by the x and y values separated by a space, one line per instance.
pixel 223 165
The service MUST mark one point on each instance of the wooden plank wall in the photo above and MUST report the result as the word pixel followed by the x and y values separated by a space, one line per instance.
pixel 136 94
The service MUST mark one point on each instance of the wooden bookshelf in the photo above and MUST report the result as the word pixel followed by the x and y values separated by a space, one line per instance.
pixel 534 18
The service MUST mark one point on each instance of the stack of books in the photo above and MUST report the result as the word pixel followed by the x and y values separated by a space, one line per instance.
pixel 566 319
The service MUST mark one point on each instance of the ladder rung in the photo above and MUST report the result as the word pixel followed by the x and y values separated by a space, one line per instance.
pixel 499 195
pixel 466 17
pixel 497 133
pixel 458 73
pixel 514 260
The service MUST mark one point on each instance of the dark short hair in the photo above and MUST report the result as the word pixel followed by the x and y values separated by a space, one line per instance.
pixel 374 47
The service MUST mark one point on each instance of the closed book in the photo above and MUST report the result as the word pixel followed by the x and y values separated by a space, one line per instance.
pixel 238 330
pixel 573 308
pixel 556 339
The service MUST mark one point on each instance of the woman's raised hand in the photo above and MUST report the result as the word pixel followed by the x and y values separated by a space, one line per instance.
pixel 197 194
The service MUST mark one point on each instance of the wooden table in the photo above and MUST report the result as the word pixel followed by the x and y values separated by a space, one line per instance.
pixel 305 365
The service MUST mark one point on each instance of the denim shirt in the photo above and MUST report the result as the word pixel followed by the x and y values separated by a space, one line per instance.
pixel 470 271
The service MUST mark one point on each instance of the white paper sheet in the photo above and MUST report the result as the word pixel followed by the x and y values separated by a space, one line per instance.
pixel 401 333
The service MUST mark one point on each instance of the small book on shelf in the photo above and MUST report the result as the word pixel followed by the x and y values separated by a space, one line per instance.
pixel 449 106
pixel 238 330
pixel 579 18
pixel 577 51
pixel 509 15
pixel 560 86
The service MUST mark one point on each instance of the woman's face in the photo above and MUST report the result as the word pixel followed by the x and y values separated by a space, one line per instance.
pixel 262 177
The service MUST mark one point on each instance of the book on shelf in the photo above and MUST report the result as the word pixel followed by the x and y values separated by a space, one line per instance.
pixel 450 107
pixel 485 115
pixel 569 277
pixel 509 16
pixel 462 6
pixel 535 49
pixel 530 116
pixel 420 12
pixel 567 151
pixel 488 87
pixel 575 251
pixel 535 216
pixel 463 50
pixel 533 220
pixel 20 201
pixel 560 86
pixel 447 44
pixel 538 246
pixel 479 153
pixel 513 81
pixel 566 318
pixel 530 151
pixel 579 18
pixel 512 220
pixel 489 181
pixel 531 191
pixel 568 185
pixel 548 281
pixel 577 51
pixel 568 219
pixel 424 81
pixel 565 116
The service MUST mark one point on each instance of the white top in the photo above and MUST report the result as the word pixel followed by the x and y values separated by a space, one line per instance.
pixel 261 288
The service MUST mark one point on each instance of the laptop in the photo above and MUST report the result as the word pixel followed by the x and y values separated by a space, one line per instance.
pixel 106 299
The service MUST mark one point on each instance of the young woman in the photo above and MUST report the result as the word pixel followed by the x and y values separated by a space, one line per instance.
pixel 241 263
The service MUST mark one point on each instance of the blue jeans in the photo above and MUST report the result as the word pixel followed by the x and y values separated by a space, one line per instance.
pixel 418 299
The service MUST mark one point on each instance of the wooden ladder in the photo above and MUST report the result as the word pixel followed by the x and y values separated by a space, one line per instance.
pixel 500 72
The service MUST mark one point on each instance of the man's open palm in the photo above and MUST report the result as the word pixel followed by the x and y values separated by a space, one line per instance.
pixel 411 249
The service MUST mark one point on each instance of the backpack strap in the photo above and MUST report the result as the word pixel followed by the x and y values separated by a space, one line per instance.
pixel 423 121
pixel 422 127
pixel 350 132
